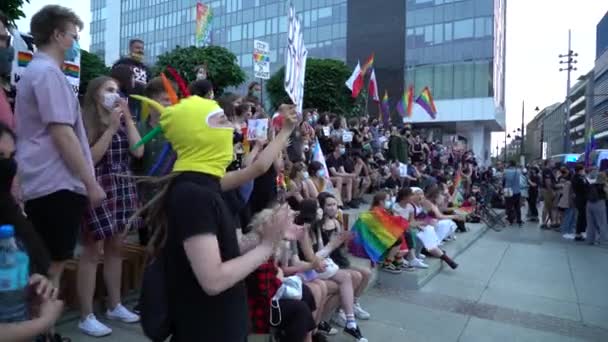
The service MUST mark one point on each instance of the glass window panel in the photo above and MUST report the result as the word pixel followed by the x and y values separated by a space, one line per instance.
pixel 324 33
pixel 438 34
pixel 259 27
pixel 489 22
pixel 463 29
pixel 424 77
pixel 236 32
pixel 459 71
pixel 480 27
pixel 248 15
pixel 428 35
pixel 283 24
pixel 482 79
pixel 469 86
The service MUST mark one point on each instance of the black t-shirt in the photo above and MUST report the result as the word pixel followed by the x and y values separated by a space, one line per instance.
pixel 534 178
pixel 195 207
pixel 264 191
pixel 392 183
pixel 334 162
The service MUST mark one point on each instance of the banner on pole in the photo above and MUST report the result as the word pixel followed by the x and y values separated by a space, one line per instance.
pixel 204 15
pixel 261 60
pixel 295 64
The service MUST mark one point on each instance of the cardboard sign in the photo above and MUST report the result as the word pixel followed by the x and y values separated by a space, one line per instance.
pixel 402 170
pixel 257 130
pixel 326 131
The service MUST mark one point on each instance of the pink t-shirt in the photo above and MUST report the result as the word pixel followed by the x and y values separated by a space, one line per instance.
pixel 6 115
pixel 45 97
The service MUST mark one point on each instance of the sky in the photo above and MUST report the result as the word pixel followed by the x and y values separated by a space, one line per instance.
pixel 537 33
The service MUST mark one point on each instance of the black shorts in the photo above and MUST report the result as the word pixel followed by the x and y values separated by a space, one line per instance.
pixel 296 317
pixel 57 218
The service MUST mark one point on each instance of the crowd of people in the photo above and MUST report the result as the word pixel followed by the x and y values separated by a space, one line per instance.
pixel 254 229
pixel 573 198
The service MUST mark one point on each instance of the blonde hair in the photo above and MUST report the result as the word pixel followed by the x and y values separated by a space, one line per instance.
pixel 263 218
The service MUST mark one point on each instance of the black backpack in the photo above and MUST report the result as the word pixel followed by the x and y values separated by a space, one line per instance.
pixel 155 314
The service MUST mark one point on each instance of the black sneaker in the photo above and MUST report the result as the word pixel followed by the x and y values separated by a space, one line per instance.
pixel 579 238
pixel 326 329
pixel 355 333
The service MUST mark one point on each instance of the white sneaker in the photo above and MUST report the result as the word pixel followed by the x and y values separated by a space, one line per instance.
pixel 339 318
pixel 569 236
pixel 360 313
pixel 421 256
pixel 120 313
pixel 92 327
pixel 417 263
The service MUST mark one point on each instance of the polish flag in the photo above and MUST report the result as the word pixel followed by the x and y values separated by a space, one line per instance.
pixel 355 81
pixel 373 87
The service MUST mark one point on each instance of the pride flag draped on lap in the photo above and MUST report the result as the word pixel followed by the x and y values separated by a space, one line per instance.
pixel 377 231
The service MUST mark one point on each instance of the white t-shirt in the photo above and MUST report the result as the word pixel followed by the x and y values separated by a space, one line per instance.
pixel 405 212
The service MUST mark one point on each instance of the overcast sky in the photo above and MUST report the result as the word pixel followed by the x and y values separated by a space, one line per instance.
pixel 537 32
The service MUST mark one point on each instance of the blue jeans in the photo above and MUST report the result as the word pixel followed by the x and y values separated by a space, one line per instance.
pixel 568 221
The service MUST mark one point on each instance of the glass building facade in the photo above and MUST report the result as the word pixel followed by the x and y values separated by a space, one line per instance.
pixel 450 47
pixel 165 24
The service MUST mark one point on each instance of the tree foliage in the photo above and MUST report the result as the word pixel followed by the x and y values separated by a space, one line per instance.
pixel 12 9
pixel 324 87
pixel 222 68
pixel 91 66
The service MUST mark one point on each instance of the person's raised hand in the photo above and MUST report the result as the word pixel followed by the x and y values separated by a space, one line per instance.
pixel 290 117
pixel 115 116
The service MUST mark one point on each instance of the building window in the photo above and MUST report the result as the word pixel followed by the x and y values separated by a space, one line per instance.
pixel 438 34
pixel 448 32
pixel 259 27
pixel 463 29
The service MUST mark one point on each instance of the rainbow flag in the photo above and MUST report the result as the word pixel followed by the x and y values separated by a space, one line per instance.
pixel 71 70
pixel 204 15
pixel 317 155
pixel 24 58
pixel 368 64
pixel 406 104
pixel 425 100
pixel 385 110
pixel 377 231
pixel 258 57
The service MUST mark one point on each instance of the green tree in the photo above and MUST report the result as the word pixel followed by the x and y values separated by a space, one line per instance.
pixel 12 9
pixel 222 68
pixel 324 87
pixel 91 66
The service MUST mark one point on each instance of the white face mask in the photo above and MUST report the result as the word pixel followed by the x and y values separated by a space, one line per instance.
pixel 109 100
pixel 305 175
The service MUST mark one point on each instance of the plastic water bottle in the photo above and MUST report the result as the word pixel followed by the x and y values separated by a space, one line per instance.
pixel 14 277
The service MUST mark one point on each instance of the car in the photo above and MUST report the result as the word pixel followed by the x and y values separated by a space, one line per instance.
pixel 599 159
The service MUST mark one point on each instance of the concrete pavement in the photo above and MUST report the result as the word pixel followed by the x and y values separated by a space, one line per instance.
pixel 521 284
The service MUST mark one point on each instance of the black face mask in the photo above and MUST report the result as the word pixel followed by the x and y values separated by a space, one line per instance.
pixel 8 170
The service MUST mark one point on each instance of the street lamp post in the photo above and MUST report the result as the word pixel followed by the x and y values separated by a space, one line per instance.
pixel 569 61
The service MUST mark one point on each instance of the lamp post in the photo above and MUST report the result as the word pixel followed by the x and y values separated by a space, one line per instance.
pixel 569 61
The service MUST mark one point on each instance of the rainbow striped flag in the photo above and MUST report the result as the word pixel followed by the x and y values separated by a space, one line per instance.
pixel 24 58
pixel 368 64
pixel 406 104
pixel 425 100
pixel 591 144
pixel 71 70
pixel 204 15
pixel 377 231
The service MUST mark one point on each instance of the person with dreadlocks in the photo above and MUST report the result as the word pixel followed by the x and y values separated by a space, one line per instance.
pixel 193 225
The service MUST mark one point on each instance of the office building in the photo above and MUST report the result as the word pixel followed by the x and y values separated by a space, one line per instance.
pixel 579 102
pixel 600 85
pixel 165 24
pixel 457 49
pixel 553 129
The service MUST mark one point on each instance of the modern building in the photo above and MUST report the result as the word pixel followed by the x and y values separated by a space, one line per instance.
pixel 457 49
pixel 600 85
pixel 165 24
pixel 579 102
pixel 553 129
pixel 533 139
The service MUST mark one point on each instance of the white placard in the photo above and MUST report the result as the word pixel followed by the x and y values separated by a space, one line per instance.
pixel 402 170
pixel 257 130
pixel 295 63
pixel 347 137
pixel 261 59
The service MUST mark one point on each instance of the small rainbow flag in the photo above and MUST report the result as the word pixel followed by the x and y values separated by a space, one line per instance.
pixel 71 70
pixel 591 144
pixel 385 110
pixel 368 64
pixel 24 58
pixel 377 231
pixel 425 100
pixel 406 103
pixel 258 57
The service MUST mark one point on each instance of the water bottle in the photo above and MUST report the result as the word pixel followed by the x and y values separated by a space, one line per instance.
pixel 14 277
